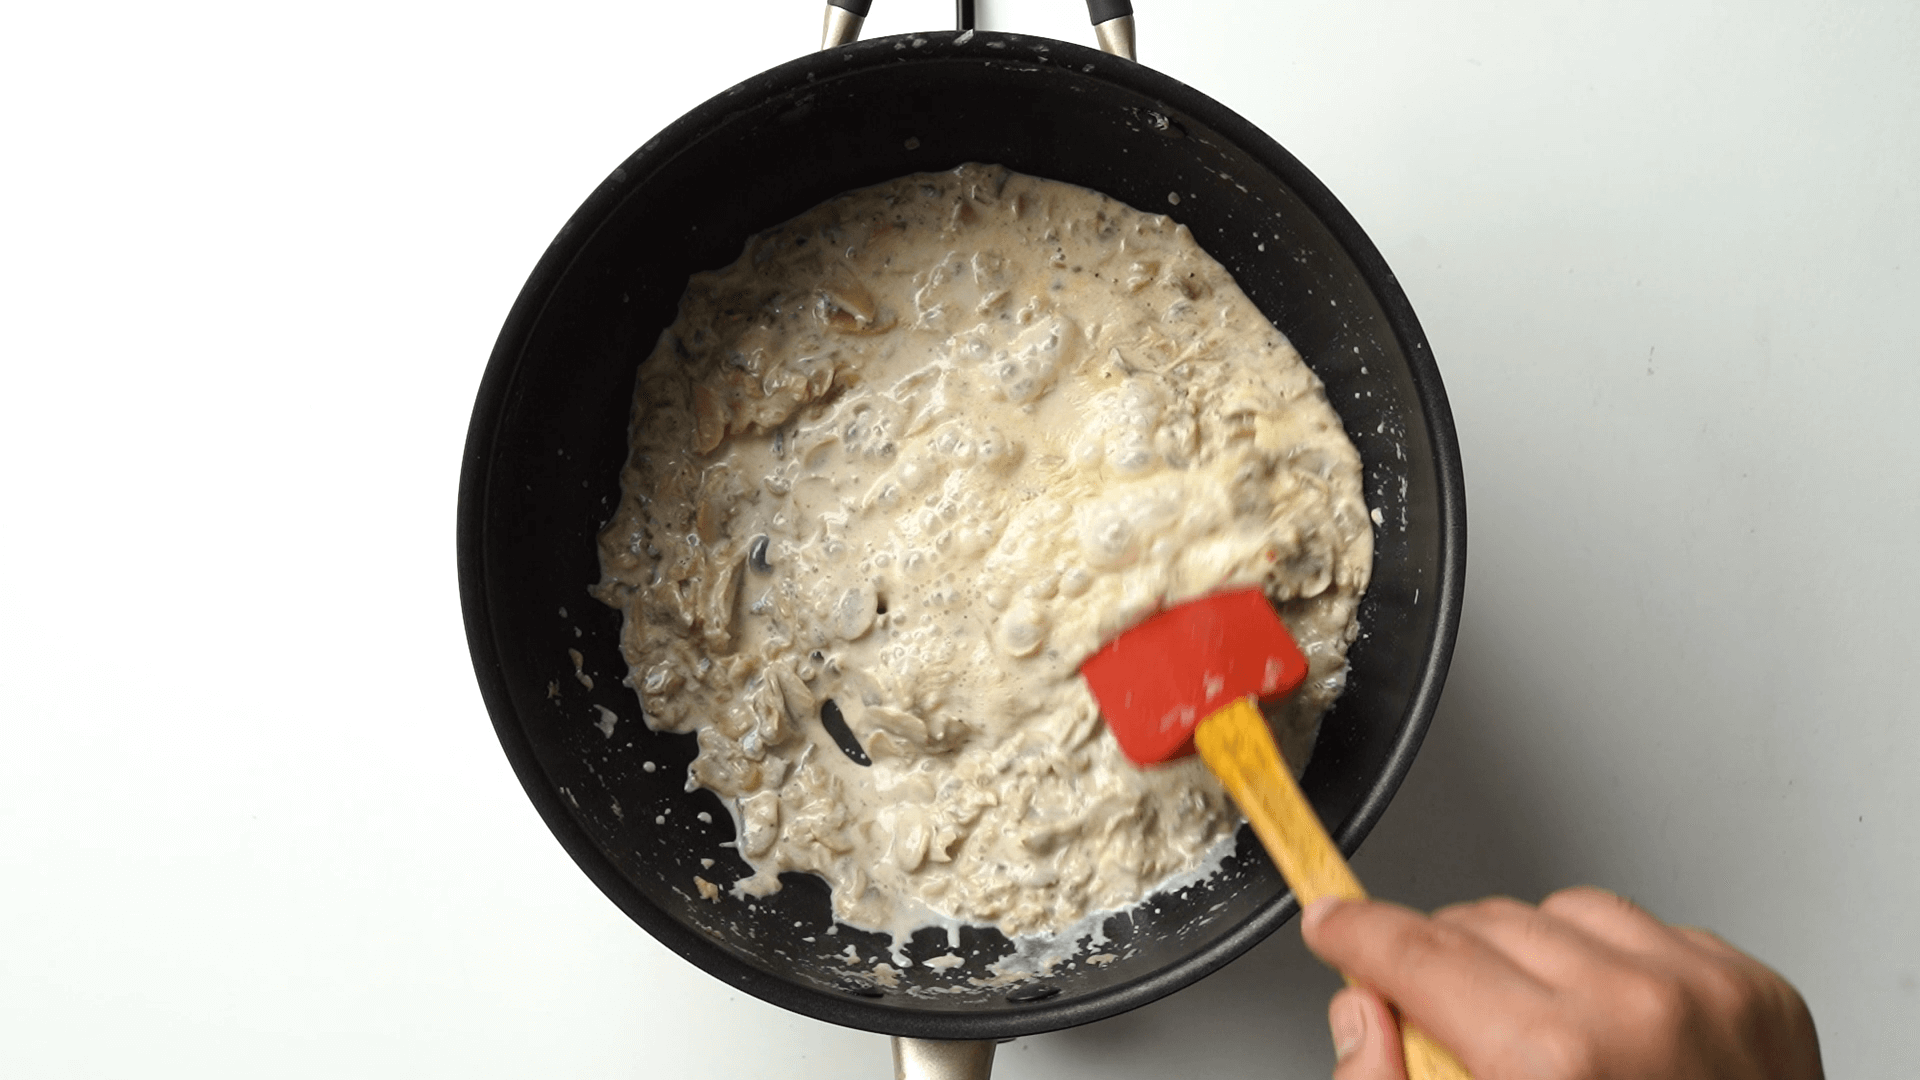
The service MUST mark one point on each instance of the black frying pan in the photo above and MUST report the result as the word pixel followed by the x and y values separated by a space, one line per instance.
pixel 549 434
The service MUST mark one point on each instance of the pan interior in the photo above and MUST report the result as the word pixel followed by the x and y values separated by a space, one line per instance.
pixel 550 434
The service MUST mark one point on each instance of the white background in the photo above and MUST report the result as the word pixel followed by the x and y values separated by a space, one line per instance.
pixel 254 822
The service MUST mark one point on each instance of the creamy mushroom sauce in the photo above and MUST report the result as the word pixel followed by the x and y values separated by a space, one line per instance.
pixel 918 453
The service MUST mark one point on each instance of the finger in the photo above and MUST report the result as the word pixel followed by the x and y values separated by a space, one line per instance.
pixel 1448 982
pixel 1613 919
pixel 1734 979
pixel 1552 950
pixel 1366 1041
pixel 1709 942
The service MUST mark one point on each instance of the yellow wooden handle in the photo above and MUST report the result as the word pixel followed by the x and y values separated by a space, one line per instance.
pixel 1236 744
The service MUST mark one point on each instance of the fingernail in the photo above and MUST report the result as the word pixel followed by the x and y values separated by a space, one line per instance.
pixel 1349 1023
pixel 1317 911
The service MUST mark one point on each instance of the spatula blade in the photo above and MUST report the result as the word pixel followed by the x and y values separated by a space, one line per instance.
pixel 1158 680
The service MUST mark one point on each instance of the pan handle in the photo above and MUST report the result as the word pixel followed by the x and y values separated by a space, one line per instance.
pixel 1113 26
pixel 843 22
pixel 1112 23
pixel 940 1059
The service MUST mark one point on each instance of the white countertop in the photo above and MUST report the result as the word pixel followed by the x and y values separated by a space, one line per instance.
pixel 254 822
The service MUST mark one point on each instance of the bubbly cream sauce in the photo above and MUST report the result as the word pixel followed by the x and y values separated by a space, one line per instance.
pixel 917 454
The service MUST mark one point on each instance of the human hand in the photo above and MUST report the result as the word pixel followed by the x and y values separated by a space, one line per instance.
pixel 1586 986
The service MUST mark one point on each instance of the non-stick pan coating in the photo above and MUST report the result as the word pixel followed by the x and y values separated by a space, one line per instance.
pixel 549 433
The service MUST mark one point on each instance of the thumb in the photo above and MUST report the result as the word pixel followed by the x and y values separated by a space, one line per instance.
pixel 1366 1040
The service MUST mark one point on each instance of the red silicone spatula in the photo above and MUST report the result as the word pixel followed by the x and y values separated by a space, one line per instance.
pixel 1187 679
